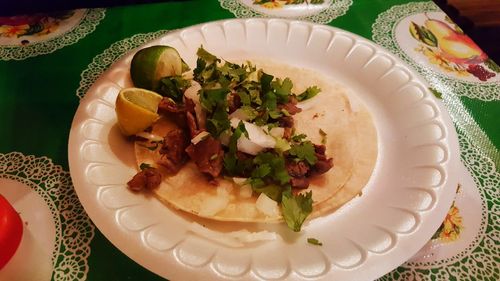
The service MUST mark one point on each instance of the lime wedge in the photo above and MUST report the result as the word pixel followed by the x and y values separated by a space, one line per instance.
pixel 136 109
pixel 151 64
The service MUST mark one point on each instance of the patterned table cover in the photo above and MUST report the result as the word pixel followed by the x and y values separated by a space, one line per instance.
pixel 49 61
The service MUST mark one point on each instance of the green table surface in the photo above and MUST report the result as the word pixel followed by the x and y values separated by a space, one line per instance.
pixel 38 97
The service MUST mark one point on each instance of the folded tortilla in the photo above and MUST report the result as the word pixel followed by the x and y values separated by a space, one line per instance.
pixel 351 140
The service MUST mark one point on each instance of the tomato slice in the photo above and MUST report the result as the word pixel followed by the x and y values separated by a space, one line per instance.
pixel 11 231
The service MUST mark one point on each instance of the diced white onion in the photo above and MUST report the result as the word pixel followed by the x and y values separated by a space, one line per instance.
pixel 234 122
pixel 199 137
pixel 247 146
pixel 213 205
pixel 223 190
pixel 267 206
pixel 277 132
pixel 257 135
pixel 257 139
pixel 192 93
pixel 239 114
pixel 245 191
pixel 239 181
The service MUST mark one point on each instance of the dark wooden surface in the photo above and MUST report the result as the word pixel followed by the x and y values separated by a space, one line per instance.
pixel 480 19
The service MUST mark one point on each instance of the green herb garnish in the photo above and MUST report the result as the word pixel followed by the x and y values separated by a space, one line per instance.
pixel 144 166
pixel 309 93
pixel 323 136
pixel 314 241
pixel 296 208
pixel 173 87
pixel 304 151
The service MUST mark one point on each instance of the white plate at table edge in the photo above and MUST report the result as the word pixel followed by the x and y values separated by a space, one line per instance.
pixel 403 204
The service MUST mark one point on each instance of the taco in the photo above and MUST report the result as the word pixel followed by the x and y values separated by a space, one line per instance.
pixel 314 151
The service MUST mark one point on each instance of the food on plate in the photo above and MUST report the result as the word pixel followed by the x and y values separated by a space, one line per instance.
pixel 136 110
pixel 255 141
pixel 151 64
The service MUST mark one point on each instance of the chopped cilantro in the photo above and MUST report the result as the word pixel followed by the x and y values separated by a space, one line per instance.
pixel 275 114
pixel 173 87
pixel 265 82
pixel 269 101
pixel 296 208
pixel 272 191
pixel 282 145
pixel 233 71
pixel 144 166
pixel 314 241
pixel 262 119
pixel 219 121
pixel 285 112
pixel 283 89
pixel 230 158
pixel 250 112
pixel 304 151
pixel 209 98
pixel 278 172
pixel 244 98
pixel 323 136
pixel 261 171
pixel 309 93
pixel 206 56
pixel 298 138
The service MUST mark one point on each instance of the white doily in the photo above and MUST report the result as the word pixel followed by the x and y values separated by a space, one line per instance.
pixel 384 34
pixel 104 60
pixel 74 230
pixel 87 24
pixel 479 261
pixel 334 10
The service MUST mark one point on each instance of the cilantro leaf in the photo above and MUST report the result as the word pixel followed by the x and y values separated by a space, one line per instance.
pixel 283 89
pixel 309 93
pixel 219 120
pixel 275 114
pixel 278 171
pixel 206 56
pixel 304 151
pixel 269 101
pixel 296 208
pixel 314 241
pixel 173 87
pixel 298 138
pixel 272 191
pixel 244 98
pixel 209 98
pixel 230 158
pixel 250 112
pixel 233 71
pixel 323 136
pixel 144 166
pixel 261 171
pixel 265 82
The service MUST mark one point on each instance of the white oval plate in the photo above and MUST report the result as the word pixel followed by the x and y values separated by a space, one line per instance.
pixel 406 199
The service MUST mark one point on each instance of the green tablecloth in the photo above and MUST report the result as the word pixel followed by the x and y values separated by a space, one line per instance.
pixel 43 78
